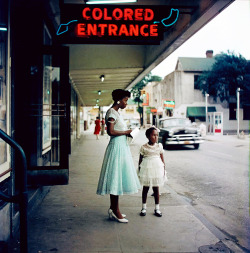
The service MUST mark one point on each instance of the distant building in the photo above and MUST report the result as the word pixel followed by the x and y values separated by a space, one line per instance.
pixel 178 95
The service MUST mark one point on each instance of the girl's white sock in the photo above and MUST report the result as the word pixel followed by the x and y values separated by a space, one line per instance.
pixel 157 206
pixel 144 206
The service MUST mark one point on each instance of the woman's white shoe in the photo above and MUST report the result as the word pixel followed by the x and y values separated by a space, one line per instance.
pixel 110 212
pixel 119 220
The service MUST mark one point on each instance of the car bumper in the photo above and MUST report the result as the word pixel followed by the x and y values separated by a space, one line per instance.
pixel 174 141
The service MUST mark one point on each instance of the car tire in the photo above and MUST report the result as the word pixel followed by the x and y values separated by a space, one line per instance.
pixel 196 146
pixel 164 143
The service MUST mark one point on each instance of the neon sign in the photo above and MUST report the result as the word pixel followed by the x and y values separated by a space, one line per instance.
pixel 115 24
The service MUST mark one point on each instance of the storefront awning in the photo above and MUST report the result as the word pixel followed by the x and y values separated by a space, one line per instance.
pixel 199 111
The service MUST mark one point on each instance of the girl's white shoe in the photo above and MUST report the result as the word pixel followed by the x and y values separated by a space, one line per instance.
pixel 158 213
pixel 143 212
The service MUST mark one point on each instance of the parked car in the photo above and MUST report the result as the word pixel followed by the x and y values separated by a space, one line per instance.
pixel 179 131
pixel 133 124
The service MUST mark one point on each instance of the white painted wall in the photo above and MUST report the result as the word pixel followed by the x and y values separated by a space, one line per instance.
pixel 179 86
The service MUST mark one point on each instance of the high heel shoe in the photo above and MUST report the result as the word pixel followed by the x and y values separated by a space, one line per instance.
pixel 110 212
pixel 119 220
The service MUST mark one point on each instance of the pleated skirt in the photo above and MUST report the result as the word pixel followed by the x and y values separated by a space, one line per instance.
pixel 152 172
pixel 118 175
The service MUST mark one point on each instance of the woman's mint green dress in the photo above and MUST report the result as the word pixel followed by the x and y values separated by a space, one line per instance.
pixel 118 175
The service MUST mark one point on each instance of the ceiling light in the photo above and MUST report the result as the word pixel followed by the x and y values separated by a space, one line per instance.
pixel 110 1
pixel 3 29
pixel 97 100
pixel 99 92
pixel 102 78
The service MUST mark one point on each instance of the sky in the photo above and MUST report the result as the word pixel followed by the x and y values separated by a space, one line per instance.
pixel 229 30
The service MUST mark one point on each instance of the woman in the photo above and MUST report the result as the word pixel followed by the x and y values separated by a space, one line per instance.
pixel 118 175
pixel 97 127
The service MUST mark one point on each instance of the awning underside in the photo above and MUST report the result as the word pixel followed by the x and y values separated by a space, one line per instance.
pixel 199 111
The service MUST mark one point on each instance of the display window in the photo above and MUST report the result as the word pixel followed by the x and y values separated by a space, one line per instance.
pixel 4 149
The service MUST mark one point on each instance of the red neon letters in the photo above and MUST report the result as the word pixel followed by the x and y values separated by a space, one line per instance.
pixel 118 14
pixel 145 30
pixel 121 22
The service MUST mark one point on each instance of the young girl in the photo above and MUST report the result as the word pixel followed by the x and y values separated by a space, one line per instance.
pixel 151 169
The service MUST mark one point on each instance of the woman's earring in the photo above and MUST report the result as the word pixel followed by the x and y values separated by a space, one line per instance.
pixel 118 102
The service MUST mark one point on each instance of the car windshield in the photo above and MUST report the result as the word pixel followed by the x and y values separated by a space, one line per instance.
pixel 175 122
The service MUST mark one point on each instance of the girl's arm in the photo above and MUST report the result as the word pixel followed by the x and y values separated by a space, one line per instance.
pixel 162 158
pixel 112 132
pixel 140 160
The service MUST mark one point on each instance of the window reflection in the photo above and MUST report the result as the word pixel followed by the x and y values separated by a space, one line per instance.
pixel 3 98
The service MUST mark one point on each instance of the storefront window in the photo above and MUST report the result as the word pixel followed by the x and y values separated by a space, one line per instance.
pixel 3 106
pixel 73 114
pixel 47 73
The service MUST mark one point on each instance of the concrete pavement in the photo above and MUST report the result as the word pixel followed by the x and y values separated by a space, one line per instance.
pixel 243 139
pixel 72 218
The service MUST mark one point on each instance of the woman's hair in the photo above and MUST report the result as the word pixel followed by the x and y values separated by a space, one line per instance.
pixel 150 130
pixel 120 94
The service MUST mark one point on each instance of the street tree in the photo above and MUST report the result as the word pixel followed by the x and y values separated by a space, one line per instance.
pixel 229 72
pixel 136 92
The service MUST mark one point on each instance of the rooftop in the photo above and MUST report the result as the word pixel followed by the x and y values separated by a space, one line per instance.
pixel 194 64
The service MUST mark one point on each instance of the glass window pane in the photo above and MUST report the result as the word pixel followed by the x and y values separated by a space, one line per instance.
pixel 3 98
pixel 52 111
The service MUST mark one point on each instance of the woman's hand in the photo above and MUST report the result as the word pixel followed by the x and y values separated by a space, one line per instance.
pixel 128 132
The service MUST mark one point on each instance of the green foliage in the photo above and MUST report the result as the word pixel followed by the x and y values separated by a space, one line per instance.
pixel 228 73
pixel 136 91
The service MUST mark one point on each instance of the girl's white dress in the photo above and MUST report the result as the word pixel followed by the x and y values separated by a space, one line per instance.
pixel 152 168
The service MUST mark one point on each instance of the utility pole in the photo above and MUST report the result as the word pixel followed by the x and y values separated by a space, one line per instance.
pixel 206 96
pixel 238 112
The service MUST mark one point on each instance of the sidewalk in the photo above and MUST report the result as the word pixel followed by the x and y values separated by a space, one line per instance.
pixel 230 139
pixel 73 219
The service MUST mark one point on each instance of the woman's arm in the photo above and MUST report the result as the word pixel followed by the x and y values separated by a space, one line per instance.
pixel 112 132
pixel 140 160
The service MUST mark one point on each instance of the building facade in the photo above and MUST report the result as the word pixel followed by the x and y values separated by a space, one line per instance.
pixel 39 107
pixel 188 101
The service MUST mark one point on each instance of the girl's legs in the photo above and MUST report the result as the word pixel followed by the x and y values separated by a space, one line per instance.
pixel 144 194
pixel 114 206
pixel 157 201
pixel 144 200
pixel 156 195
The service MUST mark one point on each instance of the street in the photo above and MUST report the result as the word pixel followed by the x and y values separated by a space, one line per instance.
pixel 214 180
